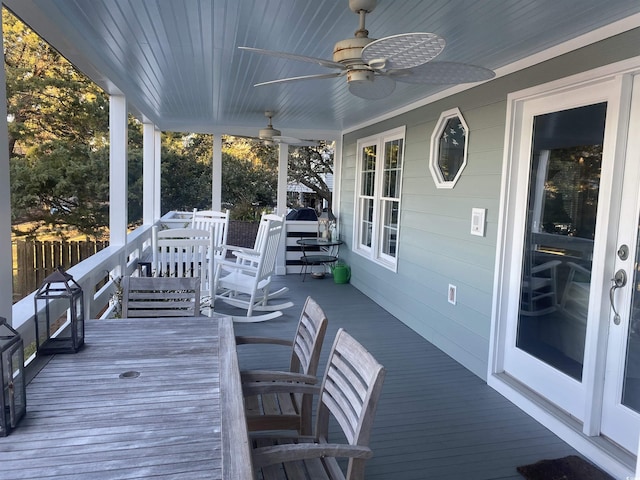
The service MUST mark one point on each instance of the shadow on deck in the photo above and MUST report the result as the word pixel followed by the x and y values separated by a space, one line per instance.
pixel 435 418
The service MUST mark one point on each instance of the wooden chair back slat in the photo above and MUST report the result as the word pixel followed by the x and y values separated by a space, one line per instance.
pixel 160 297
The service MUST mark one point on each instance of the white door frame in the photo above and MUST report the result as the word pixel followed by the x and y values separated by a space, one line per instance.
pixel 582 437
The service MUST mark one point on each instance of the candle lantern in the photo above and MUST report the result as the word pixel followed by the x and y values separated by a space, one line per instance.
pixel 13 396
pixel 59 305
pixel 326 225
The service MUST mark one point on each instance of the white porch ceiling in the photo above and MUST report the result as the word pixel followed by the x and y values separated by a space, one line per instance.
pixel 178 62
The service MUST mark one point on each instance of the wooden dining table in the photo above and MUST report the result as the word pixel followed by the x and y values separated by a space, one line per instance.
pixel 144 398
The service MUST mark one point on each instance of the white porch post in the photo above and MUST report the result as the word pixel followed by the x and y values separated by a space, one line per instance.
pixel 216 166
pixel 118 177
pixel 281 205
pixel 157 178
pixel 6 264
pixel 148 173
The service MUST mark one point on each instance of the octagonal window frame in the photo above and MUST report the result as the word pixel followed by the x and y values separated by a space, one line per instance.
pixel 434 162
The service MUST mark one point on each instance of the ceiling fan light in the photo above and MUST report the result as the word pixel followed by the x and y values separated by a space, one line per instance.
pixel 375 89
pixel 268 133
pixel 359 76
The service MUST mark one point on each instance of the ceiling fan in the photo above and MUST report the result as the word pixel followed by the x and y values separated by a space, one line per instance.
pixel 271 136
pixel 372 66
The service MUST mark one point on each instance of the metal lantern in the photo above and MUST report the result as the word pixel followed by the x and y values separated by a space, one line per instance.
pixel 59 305
pixel 13 396
pixel 326 225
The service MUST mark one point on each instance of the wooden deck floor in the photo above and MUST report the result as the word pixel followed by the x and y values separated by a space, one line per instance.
pixel 435 419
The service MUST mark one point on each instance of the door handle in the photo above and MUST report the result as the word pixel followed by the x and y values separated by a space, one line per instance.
pixel 619 280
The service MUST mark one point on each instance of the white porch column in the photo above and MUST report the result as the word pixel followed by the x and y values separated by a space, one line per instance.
pixel 118 177
pixel 157 179
pixel 283 167
pixel 216 166
pixel 6 264
pixel 281 206
pixel 148 173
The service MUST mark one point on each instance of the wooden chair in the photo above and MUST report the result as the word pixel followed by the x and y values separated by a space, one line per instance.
pixel 184 252
pixel 272 411
pixel 349 392
pixel 245 282
pixel 160 297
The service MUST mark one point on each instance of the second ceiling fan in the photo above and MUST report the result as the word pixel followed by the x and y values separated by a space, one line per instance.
pixel 271 136
pixel 372 67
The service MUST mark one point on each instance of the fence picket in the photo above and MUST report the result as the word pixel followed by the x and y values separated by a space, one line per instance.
pixel 35 260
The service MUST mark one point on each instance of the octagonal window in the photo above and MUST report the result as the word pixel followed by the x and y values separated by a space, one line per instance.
pixel 449 148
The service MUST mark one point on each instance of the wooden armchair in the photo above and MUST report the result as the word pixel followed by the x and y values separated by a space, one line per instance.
pixel 350 390
pixel 288 411
pixel 160 297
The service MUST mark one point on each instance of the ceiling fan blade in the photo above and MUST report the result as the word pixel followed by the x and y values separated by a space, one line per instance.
pixel 442 73
pixel 295 141
pixel 380 87
pixel 405 50
pixel 293 56
pixel 303 77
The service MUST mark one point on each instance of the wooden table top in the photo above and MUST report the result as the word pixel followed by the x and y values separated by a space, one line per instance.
pixel 142 399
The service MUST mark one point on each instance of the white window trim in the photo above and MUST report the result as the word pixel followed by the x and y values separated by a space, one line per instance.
pixel 374 253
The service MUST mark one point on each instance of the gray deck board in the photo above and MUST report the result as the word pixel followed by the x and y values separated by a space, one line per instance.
pixel 435 419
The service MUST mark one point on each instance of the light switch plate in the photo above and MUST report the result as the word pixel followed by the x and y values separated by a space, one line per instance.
pixel 477 221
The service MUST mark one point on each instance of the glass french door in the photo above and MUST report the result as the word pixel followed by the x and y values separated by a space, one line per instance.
pixel 573 316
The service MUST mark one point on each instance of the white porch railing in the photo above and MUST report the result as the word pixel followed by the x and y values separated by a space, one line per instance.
pixel 98 274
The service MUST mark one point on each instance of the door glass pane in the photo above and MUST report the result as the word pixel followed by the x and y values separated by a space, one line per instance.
pixel 558 246
pixel 631 385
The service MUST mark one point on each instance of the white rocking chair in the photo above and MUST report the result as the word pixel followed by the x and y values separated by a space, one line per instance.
pixel 184 252
pixel 215 222
pixel 245 281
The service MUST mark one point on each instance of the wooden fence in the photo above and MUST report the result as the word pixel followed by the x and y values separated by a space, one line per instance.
pixel 34 260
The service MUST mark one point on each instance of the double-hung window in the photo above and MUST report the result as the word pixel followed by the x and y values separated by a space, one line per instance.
pixel 379 180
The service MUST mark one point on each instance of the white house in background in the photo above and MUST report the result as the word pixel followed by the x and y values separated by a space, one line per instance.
pixel 489 217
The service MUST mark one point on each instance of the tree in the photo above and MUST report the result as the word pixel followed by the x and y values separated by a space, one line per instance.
pixel 58 126
pixel 310 166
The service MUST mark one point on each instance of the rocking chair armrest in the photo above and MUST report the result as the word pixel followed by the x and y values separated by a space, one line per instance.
pixel 257 388
pixel 245 253
pixel 250 376
pixel 235 266
pixel 264 456
pixel 246 340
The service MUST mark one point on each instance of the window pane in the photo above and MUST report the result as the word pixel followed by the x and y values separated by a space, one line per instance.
pixel 390 227
pixel 367 222
pixel 451 149
pixel 392 167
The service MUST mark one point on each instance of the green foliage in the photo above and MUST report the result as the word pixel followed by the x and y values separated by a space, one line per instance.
pixel 59 152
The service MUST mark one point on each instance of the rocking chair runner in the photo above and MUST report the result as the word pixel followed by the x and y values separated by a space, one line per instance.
pixel 350 391
pixel 245 282
pixel 288 411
